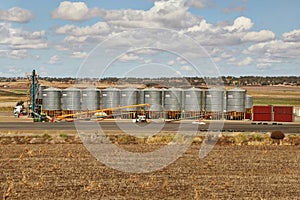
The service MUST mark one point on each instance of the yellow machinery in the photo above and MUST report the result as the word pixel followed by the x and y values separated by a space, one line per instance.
pixel 102 110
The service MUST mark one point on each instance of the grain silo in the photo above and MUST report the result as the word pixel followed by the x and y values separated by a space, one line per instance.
pixel 153 96
pixel 51 99
pixel 248 102
pixel 71 99
pixel 214 100
pixel 248 106
pixel 41 88
pixel 110 98
pixel 235 99
pixel 173 99
pixel 192 100
pixel 90 99
pixel 129 96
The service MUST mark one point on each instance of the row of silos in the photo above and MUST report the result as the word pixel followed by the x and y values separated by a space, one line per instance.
pixel 173 99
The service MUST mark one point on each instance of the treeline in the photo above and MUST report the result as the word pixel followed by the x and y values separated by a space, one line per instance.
pixel 194 81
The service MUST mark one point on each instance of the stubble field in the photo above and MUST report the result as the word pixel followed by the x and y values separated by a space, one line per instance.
pixel 68 171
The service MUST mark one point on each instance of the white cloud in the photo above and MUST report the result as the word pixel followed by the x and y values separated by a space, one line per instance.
pixel 75 11
pixel 171 62
pixel 16 14
pixel 292 36
pixel 14 54
pixel 164 14
pixel 200 4
pixel 201 27
pixel 54 60
pixel 128 57
pixel 275 48
pixel 79 54
pixel 96 29
pixel 261 36
pixel 19 39
pixel 240 24
pixel 186 68
pixel 263 66
pixel 246 61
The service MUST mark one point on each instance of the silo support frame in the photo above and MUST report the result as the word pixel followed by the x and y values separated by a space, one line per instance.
pixel 235 115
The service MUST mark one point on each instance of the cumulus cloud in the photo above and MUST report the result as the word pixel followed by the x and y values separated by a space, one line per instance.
pixel 200 4
pixel 14 54
pixel 16 38
pixel 275 48
pixel 262 66
pixel 54 60
pixel 79 54
pixel 75 11
pixel 261 36
pixel 98 28
pixel 240 24
pixel 164 14
pixel 245 61
pixel 293 36
pixel 171 62
pixel 16 14
pixel 174 14
pixel 186 68
pixel 128 57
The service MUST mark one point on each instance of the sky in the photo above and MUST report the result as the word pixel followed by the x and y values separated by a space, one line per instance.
pixel 147 38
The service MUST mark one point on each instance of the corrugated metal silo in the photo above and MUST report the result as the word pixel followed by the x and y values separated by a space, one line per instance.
pixel 71 99
pixel 153 96
pixel 40 91
pixel 192 99
pixel 248 102
pixel 90 99
pixel 51 99
pixel 235 100
pixel 129 96
pixel 173 99
pixel 110 98
pixel 214 100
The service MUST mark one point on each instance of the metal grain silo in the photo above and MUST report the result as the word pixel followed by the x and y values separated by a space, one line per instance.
pixel 39 91
pixel 90 99
pixel 173 99
pixel 214 100
pixel 235 100
pixel 248 102
pixel 192 99
pixel 51 99
pixel 110 98
pixel 129 96
pixel 70 99
pixel 153 96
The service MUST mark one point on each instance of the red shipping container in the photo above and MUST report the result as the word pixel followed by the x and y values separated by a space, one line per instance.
pixel 262 116
pixel 248 115
pixel 262 109
pixel 283 109
pixel 279 117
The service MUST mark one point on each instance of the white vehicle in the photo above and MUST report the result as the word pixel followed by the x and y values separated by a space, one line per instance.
pixel 141 119
pixel 18 110
pixel 198 123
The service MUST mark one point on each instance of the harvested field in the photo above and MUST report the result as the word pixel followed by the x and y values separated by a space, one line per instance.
pixel 68 171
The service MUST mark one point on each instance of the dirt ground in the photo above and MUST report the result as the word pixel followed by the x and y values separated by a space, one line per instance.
pixel 68 171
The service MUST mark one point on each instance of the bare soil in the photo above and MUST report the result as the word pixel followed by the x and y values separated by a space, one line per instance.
pixel 68 171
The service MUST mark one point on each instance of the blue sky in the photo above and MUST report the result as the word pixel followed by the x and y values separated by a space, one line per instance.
pixel 237 37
